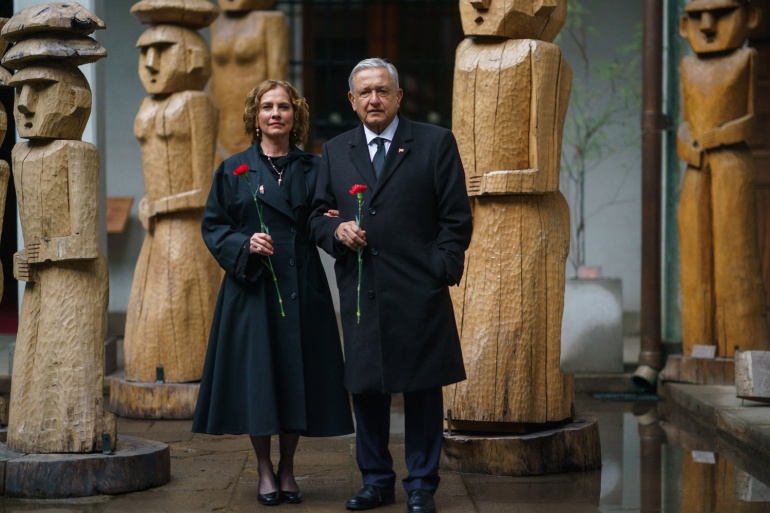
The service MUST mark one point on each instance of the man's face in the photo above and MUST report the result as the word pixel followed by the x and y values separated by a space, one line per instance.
pixel 717 25
pixel 375 98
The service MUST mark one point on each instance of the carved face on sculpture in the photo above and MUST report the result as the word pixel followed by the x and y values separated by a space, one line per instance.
pixel 514 19
pixel 246 5
pixel 717 25
pixel 53 101
pixel 173 59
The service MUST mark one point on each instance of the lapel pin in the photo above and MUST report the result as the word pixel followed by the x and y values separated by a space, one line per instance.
pixel 262 189
pixel 401 150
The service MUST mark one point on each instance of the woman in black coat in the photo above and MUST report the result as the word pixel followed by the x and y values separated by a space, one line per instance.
pixel 274 361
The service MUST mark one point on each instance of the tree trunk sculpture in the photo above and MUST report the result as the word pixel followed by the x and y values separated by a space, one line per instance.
pixel 723 296
pixel 57 394
pixel 176 279
pixel 511 90
pixel 249 44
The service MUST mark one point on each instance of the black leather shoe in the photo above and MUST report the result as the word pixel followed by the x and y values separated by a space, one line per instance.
pixel 269 499
pixel 369 497
pixel 420 501
pixel 291 497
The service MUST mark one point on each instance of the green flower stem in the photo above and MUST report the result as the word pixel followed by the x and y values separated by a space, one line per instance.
pixel 360 197
pixel 269 263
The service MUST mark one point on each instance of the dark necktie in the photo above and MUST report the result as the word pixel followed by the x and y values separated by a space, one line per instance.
pixel 379 156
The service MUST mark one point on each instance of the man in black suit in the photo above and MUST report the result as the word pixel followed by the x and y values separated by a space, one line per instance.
pixel 413 232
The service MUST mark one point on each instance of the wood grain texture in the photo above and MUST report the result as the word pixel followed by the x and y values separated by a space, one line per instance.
pixel 685 369
pixel 572 447
pixel 247 48
pixel 57 399
pixel 509 308
pixel 68 17
pixel 194 14
pixel 75 48
pixel 514 19
pixel 153 400
pixel 510 101
pixel 176 279
pixel 5 174
pixel 723 295
pixel 135 465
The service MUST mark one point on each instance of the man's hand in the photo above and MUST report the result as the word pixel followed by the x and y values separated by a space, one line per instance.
pixel 351 235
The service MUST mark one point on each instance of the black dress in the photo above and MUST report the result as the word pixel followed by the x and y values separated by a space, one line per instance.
pixel 266 373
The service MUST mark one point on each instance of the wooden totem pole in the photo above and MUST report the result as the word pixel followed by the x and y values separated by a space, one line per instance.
pixel 5 173
pixel 57 397
pixel 249 44
pixel 176 279
pixel 723 297
pixel 511 91
pixel 5 170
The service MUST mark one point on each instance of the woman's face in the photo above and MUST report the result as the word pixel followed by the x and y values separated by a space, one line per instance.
pixel 276 114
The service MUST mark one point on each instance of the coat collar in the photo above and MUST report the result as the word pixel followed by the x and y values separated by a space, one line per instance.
pixel 266 187
pixel 399 148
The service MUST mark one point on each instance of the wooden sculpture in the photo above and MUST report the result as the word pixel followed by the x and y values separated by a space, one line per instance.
pixel 57 395
pixel 176 280
pixel 5 170
pixel 723 298
pixel 510 100
pixel 249 44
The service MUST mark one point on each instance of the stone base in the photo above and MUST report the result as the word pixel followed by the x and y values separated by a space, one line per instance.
pixel 139 400
pixel 135 465
pixel 572 447
pixel 700 371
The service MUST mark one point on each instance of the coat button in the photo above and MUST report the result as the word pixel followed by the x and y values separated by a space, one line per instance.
pixel 371 294
pixel 294 295
pixel 291 261
pixel 375 252
pixel 293 230
pixel 372 211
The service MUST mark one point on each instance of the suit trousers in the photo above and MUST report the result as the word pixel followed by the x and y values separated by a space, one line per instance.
pixel 424 428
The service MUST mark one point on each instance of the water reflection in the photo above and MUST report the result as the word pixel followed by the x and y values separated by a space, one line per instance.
pixel 657 460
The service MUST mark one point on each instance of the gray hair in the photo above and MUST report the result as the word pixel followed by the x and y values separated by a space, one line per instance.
pixel 372 63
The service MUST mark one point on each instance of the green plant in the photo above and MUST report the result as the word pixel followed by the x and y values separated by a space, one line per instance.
pixel 602 119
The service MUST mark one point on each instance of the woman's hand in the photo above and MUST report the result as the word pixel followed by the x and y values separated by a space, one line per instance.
pixel 261 244
pixel 332 213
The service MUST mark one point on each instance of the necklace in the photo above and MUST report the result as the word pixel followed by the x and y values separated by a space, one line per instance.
pixel 279 173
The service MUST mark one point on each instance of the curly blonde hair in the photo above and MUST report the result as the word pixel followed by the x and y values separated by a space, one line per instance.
pixel 301 111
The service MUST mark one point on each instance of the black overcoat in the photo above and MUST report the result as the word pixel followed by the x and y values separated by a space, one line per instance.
pixel 265 373
pixel 418 225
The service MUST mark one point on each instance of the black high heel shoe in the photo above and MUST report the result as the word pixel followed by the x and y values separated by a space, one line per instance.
pixel 272 498
pixel 286 496
pixel 291 497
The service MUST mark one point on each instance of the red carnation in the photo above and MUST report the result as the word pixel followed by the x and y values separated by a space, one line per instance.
pixel 243 168
pixel 358 189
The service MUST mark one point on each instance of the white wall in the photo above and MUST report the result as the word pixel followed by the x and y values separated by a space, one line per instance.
pixel 613 189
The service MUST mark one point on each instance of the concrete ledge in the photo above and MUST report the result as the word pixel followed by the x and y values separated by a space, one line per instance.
pixel 716 407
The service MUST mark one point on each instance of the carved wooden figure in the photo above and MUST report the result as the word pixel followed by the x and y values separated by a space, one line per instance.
pixel 176 279
pixel 723 299
pixel 5 170
pixel 510 100
pixel 57 395
pixel 249 44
